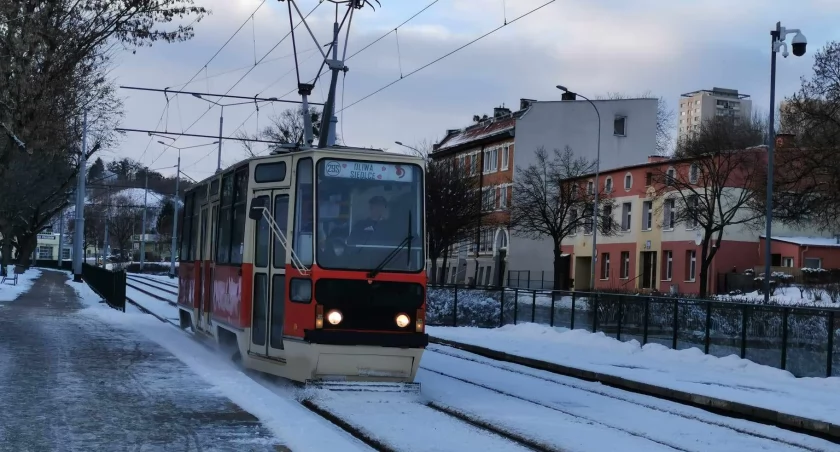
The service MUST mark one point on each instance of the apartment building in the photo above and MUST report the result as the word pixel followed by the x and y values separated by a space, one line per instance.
pixel 651 250
pixel 485 151
pixel 493 147
pixel 699 106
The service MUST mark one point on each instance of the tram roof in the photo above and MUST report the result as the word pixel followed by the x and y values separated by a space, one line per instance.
pixel 333 149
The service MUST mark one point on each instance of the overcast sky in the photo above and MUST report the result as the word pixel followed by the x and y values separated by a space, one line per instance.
pixel 667 47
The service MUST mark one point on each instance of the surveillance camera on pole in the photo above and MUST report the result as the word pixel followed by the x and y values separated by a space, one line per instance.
pixel 798 43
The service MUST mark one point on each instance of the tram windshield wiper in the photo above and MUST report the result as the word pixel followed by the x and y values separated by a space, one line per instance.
pixel 406 242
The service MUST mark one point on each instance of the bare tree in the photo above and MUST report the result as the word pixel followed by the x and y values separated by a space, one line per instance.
pixel 807 172
pixel 123 218
pixel 284 128
pixel 665 120
pixel 714 182
pixel 552 200
pixel 453 208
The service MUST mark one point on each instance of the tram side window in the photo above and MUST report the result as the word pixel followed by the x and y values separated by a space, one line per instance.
pixel 240 200
pixel 196 245
pixel 225 217
pixel 186 229
pixel 281 217
pixel 303 244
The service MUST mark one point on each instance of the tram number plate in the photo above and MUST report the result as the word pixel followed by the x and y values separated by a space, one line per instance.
pixel 367 171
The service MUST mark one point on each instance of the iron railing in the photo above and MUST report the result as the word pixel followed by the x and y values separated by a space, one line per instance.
pixel 802 340
pixel 110 285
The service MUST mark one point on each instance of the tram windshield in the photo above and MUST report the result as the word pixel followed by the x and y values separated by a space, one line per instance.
pixel 369 216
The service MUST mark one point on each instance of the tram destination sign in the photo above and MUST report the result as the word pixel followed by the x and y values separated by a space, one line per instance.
pixel 375 171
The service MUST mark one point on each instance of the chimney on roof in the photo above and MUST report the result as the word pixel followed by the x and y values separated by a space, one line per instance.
pixel 568 96
pixel 785 140
pixel 451 131
pixel 525 103
pixel 498 112
pixel 656 158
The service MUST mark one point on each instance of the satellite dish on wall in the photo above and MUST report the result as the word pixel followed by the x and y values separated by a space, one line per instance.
pixel 698 239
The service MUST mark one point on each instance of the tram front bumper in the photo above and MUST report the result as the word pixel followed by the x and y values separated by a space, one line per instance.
pixel 369 338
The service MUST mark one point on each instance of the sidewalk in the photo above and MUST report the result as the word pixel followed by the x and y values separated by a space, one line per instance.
pixel 70 382
pixel 729 384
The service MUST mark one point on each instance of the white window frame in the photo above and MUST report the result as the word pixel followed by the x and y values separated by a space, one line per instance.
pixel 605 266
pixel 668 220
pixel 668 256
pixel 692 266
pixel 647 215
pixel 805 262
pixel 503 191
pixel 693 202
pixel 670 176
pixel 505 157
pixel 587 222
pixel 787 262
pixel 590 187
pixel 608 184
pixel 573 218
pixel 625 264
pixel 628 187
pixel 693 173
pixel 44 253
pixel 606 218
pixel 627 217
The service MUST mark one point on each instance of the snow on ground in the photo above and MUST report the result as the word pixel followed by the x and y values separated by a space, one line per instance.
pixel 161 279
pixel 570 414
pixel 788 296
pixel 9 291
pixel 729 378
pixel 293 424
pixel 159 308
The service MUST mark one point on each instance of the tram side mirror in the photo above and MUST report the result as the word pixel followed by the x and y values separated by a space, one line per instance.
pixel 257 206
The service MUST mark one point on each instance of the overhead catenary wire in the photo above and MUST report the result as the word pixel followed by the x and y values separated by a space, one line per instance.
pixel 383 88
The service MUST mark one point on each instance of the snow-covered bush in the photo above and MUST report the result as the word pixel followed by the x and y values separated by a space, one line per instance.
pixel 476 307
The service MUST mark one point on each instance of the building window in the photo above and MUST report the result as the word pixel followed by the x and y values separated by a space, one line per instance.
pixel 691 265
pixel 503 196
pixel 648 179
pixel 628 181
pixel 505 157
pixel 693 173
pixel 65 253
pixel 670 176
pixel 473 163
pixel 787 262
pixel 608 185
pixel 668 222
pixel 491 160
pixel 692 205
pixel 489 197
pixel 626 216
pixel 573 218
pixel 667 265
pixel 647 215
pixel 462 163
pixel 45 252
pixel 590 187
pixel 620 126
pixel 605 266
pixel 606 219
pixel 587 220
pixel 813 262
pixel 625 264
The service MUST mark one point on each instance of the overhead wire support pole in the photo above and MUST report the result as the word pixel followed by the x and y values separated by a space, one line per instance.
pixel 78 254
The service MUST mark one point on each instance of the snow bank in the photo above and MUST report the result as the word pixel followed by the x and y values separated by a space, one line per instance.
pixel 10 291
pixel 729 377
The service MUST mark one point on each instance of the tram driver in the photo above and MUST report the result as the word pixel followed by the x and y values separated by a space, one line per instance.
pixel 374 225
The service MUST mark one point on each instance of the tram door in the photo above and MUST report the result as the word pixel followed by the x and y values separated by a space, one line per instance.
pixel 202 271
pixel 269 277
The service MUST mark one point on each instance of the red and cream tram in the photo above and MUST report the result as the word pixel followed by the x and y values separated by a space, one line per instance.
pixel 310 264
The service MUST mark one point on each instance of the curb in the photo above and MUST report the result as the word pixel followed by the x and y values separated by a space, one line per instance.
pixel 822 429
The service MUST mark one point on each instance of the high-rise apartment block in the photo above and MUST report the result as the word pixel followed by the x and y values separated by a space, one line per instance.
pixel 699 106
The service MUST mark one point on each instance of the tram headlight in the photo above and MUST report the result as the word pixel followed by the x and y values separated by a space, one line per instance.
pixel 334 317
pixel 402 320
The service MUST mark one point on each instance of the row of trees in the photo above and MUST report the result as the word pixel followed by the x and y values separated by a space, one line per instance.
pixel 715 179
pixel 56 57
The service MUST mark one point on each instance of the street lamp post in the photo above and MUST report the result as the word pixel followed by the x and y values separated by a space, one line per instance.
pixel 415 150
pixel 798 44
pixel 595 190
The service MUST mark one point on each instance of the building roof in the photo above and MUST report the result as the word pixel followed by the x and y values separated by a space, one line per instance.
pixel 487 130
pixel 723 92
pixel 809 241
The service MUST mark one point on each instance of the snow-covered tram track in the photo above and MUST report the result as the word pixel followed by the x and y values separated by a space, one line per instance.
pixel 382 431
pixel 655 421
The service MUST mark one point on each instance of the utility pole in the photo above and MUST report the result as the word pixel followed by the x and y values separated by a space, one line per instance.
pixel 175 218
pixel 60 239
pixel 78 249
pixel 143 226
pixel 107 242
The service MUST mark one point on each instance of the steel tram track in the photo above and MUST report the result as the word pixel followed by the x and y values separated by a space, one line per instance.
pixel 356 432
pixel 511 369
pixel 153 283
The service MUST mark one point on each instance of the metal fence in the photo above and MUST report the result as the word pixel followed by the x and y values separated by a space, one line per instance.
pixel 804 341
pixel 110 285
